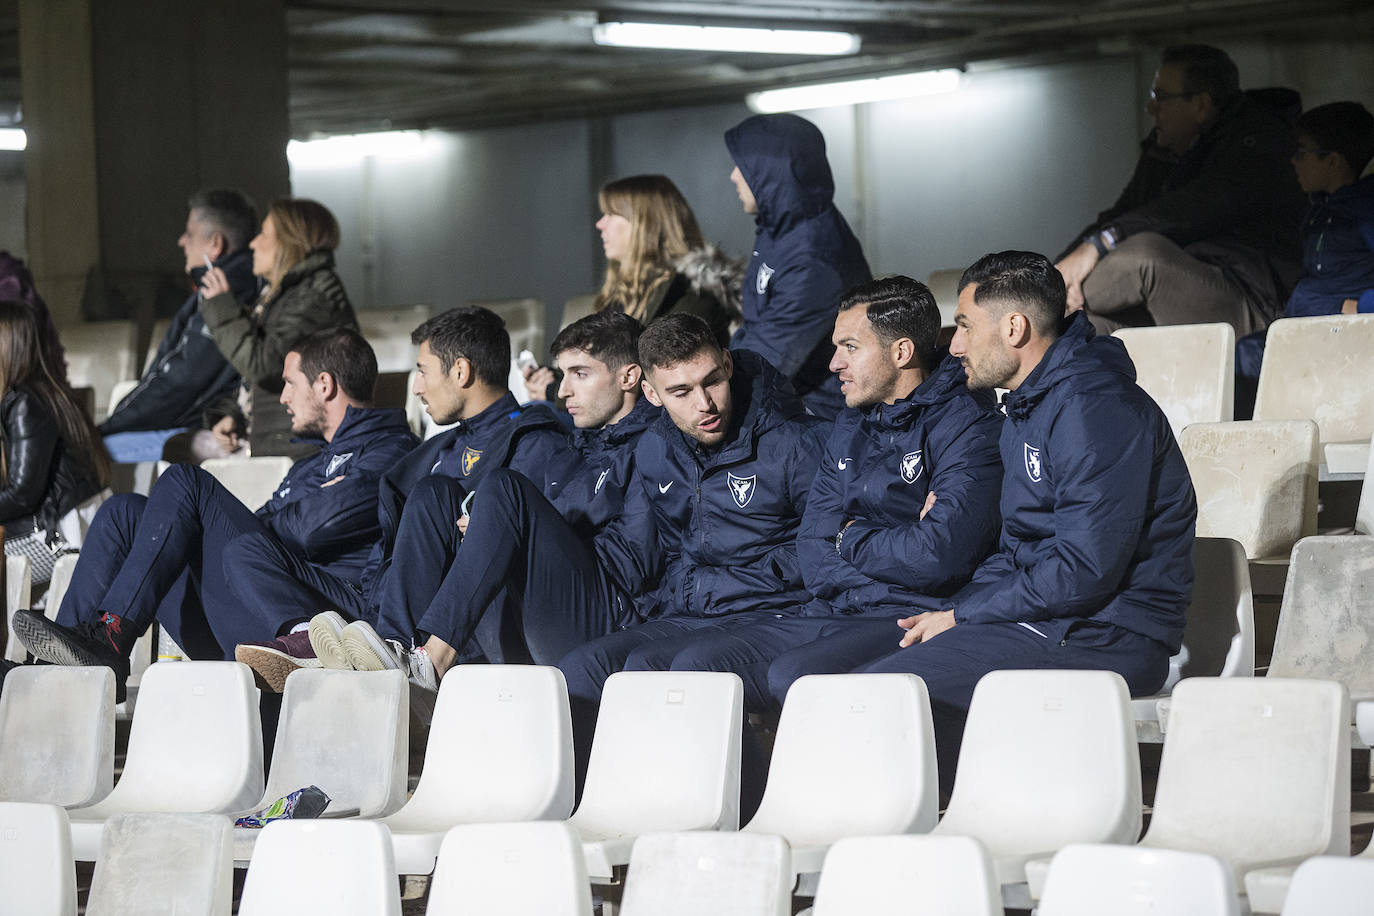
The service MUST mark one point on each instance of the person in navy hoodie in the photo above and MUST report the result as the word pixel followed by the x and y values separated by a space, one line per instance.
pixel 1094 568
pixel 536 535
pixel 725 475
pixel 166 556
pixel 1335 144
pixel 805 255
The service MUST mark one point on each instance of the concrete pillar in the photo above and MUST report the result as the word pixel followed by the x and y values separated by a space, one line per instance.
pixel 130 106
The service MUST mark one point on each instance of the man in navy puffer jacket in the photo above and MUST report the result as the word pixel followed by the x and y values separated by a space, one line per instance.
pixel 167 556
pixel 805 255
pixel 1094 568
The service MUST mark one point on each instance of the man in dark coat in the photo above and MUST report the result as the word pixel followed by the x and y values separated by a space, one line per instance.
pixel 804 257
pixel 1094 568
pixel 1207 228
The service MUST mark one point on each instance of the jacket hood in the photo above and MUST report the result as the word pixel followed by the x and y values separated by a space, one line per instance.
pixel 761 399
pixel 319 259
pixel 947 382
pixel 1361 194
pixel 713 273
pixel 365 423
pixel 238 270
pixel 640 418
pixel 782 159
pixel 1092 361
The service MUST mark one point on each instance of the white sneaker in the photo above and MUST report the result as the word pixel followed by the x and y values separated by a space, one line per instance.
pixel 367 651
pixel 326 629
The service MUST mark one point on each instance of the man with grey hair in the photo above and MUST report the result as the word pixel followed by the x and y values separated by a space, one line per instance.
pixel 188 373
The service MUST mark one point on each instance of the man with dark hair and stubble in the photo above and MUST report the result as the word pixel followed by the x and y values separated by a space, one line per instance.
pixel 1207 228
pixel 188 373
pixel 187 555
pixel 1094 568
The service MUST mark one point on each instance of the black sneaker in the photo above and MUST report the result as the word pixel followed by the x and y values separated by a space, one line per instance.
pixel 88 643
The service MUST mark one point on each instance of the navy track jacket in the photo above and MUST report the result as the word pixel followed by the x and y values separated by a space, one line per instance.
pixel 878 468
pixel 805 256
pixel 587 483
pixel 325 508
pixel 1098 511
pixel 720 524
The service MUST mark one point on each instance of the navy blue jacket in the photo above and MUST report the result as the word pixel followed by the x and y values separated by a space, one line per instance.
pixel 878 468
pixel 189 373
pixel 1098 511
pixel 505 435
pixel 588 483
pixel 325 509
pixel 1338 252
pixel 805 257
pixel 720 524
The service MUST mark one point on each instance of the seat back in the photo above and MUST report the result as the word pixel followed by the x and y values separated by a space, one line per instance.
pixel 1189 370
pixel 686 874
pixel 1364 515
pixel 1326 621
pixel 524 318
pixel 195 744
pixel 1089 880
pixel 251 480
pixel 577 308
pixel 343 868
pixel 500 747
pixel 57 735
pixel 388 331
pixel 37 872
pixel 664 728
pixel 1255 770
pixel 59 583
pixel 1256 482
pixel 534 868
pixel 347 732
pixel 834 726
pixel 1049 758
pixel 184 862
pixel 100 354
pixel 944 286
pixel 1312 370
pixel 1219 629
pixel 18 595
pixel 899 875
pixel 1331 886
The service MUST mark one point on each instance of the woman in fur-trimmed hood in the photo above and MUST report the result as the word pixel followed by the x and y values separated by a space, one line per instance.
pixel 656 259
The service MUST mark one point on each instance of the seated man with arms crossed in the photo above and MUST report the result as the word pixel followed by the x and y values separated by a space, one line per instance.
pixel 1095 564
pixel 902 509
pixel 167 556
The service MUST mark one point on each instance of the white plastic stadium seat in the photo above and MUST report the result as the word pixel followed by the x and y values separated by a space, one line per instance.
pixel 1219 634
pixel 529 869
pixel 834 726
pixel 687 874
pixel 1364 516
pixel 1331 886
pixel 164 863
pixel 251 480
pixel 1189 370
pixel 944 286
pixel 1314 369
pixel 195 746
pixel 37 874
pixel 347 732
pixel 57 735
pixel 1049 758
pixel 524 320
pixel 18 595
pixel 100 354
pixel 343 868
pixel 120 390
pixel 500 749
pixel 388 331
pixel 1256 482
pixel 900 875
pixel 665 756
pixel 1091 880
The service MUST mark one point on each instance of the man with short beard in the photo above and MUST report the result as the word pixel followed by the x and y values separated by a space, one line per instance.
pixel 166 556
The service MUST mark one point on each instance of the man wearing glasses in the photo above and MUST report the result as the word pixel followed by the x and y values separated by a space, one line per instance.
pixel 1207 228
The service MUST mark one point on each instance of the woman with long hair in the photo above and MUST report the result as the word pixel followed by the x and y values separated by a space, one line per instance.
pixel 53 461
pixel 656 259
pixel 302 295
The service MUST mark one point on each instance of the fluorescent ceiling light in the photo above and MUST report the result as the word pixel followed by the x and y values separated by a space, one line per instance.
pixel 854 92
pixel 345 149
pixel 720 38
pixel 13 138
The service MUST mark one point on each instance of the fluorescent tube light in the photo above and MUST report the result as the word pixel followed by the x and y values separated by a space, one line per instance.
pixel 344 149
pixel 854 92
pixel 13 138
pixel 722 38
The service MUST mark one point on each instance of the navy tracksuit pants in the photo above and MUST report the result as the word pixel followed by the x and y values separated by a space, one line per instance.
pixel 520 563
pixel 159 557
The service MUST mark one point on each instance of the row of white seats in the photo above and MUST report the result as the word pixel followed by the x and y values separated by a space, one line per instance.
pixel 1254 771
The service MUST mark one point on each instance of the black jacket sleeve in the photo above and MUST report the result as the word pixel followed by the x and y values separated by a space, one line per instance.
pixel 31 443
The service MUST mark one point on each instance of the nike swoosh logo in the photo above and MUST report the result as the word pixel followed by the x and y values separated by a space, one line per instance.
pixel 663 487
pixel 843 464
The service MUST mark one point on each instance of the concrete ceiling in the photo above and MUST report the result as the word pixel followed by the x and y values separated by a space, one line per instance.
pixel 375 64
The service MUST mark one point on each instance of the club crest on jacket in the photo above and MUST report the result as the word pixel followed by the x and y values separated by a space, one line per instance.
pixel 1033 466
pixel 911 466
pixel 742 488
pixel 762 277
pixel 470 458
pixel 337 462
pixel 601 480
